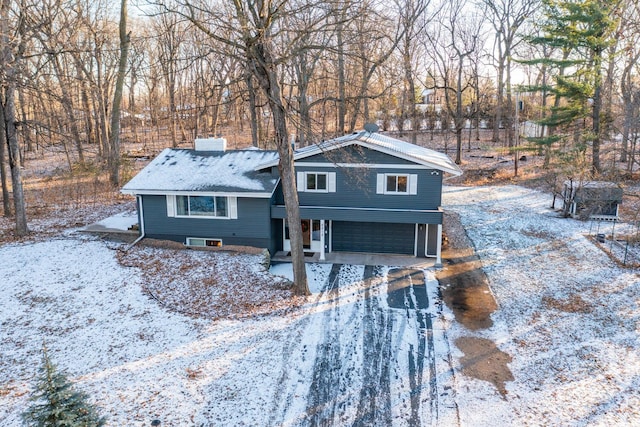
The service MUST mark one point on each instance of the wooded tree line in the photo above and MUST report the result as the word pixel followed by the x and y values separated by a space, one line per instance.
pixel 340 63
pixel 318 69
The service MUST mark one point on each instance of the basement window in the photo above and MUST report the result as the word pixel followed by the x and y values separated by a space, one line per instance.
pixel 203 242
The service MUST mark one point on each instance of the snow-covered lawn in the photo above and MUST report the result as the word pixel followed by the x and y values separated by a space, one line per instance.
pixel 568 317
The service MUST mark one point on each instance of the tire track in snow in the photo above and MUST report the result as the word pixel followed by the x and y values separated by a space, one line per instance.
pixel 284 392
pixel 367 362
pixel 331 389
pixel 374 406
pixel 407 292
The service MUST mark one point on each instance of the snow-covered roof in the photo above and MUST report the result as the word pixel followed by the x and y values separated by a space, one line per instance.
pixel 392 146
pixel 176 170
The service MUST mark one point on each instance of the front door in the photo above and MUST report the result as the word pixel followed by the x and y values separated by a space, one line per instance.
pixel 306 233
pixel 311 235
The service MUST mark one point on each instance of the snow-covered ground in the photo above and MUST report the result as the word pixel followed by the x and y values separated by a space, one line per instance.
pixel 568 316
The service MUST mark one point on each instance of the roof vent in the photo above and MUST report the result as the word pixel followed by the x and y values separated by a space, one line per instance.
pixel 211 144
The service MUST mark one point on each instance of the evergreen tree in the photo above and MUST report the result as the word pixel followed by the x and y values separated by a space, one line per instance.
pixel 55 402
pixel 574 36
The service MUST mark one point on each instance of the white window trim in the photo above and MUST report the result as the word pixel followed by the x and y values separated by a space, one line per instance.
pixel 302 182
pixel 189 242
pixel 412 184
pixel 172 211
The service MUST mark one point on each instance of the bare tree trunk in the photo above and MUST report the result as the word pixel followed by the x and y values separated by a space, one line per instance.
pixel 459 120
pixel 256 21
pixel 133 80
pixel 265 71
pixel 103 135
pixel 268 81
pixel 509 107
pixel 252 111
pixel 499 102
pixel 9 118
pixel 26 130
pixel 173 126
pixel 476 90
pixel 114 155
pixel 409 97
pixel 6 204
pixel 342 107
pixel 597 106
pixel 88 122
pixel 68 107
pixel 9 63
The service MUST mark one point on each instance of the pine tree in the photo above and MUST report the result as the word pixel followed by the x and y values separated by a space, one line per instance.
pixel 55 402
pixel 579 33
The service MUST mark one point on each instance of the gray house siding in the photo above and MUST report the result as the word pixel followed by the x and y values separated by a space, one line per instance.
pixel 252 228
pixel 362 220
pixel 359 190
pixel 356 187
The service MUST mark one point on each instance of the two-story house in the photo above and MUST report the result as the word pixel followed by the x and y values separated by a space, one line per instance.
pixel 364 192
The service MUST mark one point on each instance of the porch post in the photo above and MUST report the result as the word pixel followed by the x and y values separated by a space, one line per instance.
pixel 439 247
pixel 322 258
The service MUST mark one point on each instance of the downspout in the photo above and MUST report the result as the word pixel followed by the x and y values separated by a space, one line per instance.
pixel 141 213
pixel 439 248
pixel 322 252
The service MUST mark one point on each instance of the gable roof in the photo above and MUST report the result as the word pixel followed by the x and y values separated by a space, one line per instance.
pixel 177 170
pixel 385 144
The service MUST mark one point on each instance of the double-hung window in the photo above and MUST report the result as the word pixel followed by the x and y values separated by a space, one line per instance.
pixel 397 183
pixel 202 206
pixel 316 181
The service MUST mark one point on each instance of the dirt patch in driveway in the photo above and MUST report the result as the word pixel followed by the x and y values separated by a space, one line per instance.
pixel 483 360
pixel 464 285
pixel 465 290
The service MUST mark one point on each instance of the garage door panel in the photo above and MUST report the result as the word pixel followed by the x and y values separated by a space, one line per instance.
pixel 373 237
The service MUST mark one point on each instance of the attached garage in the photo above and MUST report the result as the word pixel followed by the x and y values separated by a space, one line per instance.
pixel 373 237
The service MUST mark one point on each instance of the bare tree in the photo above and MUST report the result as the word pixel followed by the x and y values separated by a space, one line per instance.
pixel 412 19
pixel 114 137
pixel 506 17
pixel 6 199
pixel 253 28
pixel 171 33
pixel 376 37
pixel 629 87
pixel 12 50
pixel 453 41
pixel 55 26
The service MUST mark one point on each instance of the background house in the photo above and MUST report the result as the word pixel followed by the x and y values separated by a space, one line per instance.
pixel 364 192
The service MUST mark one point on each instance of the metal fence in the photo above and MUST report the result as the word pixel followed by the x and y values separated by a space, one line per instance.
pixel 620 241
